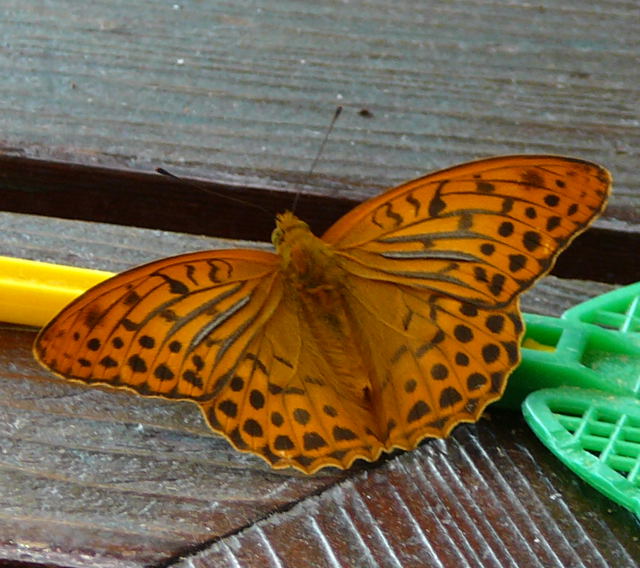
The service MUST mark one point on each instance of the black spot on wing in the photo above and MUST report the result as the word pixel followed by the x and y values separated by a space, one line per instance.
pixel 485 187
pixel 551 199
pixel 313 441
pixel 191 270
pixel 449 397
pixel 252 428
pixel 175 286
pixel 533 178
pixel 437 205
pixel 343 434
pixel 193 378
pixel 418 410
pixel 163 373
pixel 131 299
pixel 137 364
pixel 415 203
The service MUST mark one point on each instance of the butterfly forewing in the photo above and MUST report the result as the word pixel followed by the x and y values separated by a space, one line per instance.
pixel 481 232
pixel 173 328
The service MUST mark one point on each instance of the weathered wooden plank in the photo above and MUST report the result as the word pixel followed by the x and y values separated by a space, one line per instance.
pixel 240 92
pixel 490 495
pixel 131 481
pixel 87 471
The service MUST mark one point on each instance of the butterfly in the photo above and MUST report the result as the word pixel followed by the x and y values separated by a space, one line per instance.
pixel 401 322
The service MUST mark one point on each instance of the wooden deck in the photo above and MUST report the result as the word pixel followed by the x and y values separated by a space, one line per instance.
pixel 95 95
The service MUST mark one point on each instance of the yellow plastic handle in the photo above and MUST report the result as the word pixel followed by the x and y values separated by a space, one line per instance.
pixel 31 292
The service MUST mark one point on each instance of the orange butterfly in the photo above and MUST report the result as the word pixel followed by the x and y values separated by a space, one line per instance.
pixel 399 323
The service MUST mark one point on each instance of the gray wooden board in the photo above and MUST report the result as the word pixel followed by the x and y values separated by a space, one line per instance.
pixel 91 477
pixel 486 497
pixel 243 91
pixel 87 473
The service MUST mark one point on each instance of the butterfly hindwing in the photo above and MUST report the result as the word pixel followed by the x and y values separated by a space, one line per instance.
pixel 440 363
pixel 284 404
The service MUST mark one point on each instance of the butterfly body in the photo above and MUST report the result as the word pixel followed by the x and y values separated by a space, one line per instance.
pixel 399 323
pixel 314 284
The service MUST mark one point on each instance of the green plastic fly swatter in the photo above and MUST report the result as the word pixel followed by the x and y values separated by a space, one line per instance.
pixel 592 421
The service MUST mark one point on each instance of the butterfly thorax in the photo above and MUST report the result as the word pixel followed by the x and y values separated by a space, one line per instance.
pixel 315 279
pixel 308 263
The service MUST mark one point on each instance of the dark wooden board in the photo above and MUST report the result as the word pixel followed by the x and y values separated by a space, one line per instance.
pixel 101 478
pixel 150 200
pixel 488 496
pixel 242 92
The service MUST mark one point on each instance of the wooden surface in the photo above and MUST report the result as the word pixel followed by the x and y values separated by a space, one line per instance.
pixel 240 93
pixel 100 478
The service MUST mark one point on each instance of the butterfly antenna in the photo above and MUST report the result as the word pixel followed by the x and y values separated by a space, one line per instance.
pixel 204 188
pixel 319 153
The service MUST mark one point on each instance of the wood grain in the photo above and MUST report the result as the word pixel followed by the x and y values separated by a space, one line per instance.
pixel 95 470
pixel 487 496
pixel 102 478
pixel 240 94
